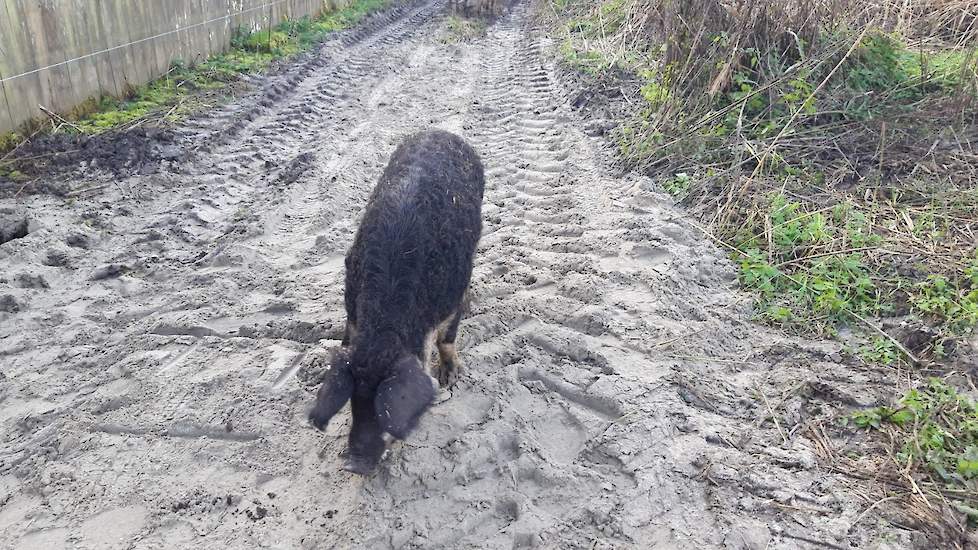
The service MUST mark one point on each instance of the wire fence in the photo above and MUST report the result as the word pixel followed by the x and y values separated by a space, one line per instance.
pixel 58 54
pixel 227 17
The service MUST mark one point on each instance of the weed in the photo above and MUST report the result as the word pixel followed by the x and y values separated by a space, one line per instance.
pixel 678 185
pixel 881 351
pixel 780 260
pixel 655 90
pixel 588 62
pixel 956 306
pixel 9 140
pixel 273 41
pixel 16 176
pixel 593 25
pixel 791 228
pixel 971 272
pixel 350 15
pixel 561 6
pixel 936 428
pixel 611 16
pixel 875 65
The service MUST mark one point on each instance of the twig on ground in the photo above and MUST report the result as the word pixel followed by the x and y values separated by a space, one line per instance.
pixel 56 117
pixel 838 253
pixel 772 413
pixel 36 157
pixel 84 190
pixel 870 509
pixel 909 355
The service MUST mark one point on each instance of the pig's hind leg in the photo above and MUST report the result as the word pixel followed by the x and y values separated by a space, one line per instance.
pixel 449 365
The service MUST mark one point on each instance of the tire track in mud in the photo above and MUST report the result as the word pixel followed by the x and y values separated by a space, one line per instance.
pixel 320 76
pixel 169 376
pixel 536 448
pixel 607 398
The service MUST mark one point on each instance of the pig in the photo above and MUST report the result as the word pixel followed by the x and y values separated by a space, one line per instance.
pixel 407 278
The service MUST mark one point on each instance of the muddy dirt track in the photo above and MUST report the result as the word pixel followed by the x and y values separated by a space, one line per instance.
pixel 161 337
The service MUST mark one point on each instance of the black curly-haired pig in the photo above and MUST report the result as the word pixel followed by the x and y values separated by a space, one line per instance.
pixel 406 275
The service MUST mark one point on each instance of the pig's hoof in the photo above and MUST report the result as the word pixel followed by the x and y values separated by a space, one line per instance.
pixel 448 374
pixel 359 465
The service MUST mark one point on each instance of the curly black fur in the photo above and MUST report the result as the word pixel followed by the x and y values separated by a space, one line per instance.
pixel 406 275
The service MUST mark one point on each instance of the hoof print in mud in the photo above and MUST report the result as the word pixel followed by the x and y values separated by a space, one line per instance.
pixel 109 271
pixel 10 304
pixel 31 280
pixel 12 228
pixel 406 276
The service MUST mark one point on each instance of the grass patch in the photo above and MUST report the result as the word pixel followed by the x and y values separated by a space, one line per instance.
pixel 186 89
pixel 815 268
pixel 250 52
pixel 932 429
pixel 587 27
pixel 9 140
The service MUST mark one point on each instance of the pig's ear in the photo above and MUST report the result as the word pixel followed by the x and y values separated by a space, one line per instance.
pixel 403 397
pixel 336 389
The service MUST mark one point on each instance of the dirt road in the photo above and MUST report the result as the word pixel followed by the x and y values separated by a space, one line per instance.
pixel 160 337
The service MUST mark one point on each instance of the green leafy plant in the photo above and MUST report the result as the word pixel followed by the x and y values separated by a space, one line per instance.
pixel 587 61
pixel 881 350
pixel 937 428
pixel 971 272
pixel 656 89
pixel 678 185
pixel 876 64
pixel 273 41
pixel 797 286
pixel 9 140
pixel 956 306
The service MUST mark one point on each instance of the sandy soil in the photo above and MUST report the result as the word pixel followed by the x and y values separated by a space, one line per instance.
pixel 161 335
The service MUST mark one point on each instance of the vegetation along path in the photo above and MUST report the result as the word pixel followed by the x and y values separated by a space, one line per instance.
pixel 163 328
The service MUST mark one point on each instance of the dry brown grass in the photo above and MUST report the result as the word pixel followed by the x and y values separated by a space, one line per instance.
pixel 477 8
pixel 759 96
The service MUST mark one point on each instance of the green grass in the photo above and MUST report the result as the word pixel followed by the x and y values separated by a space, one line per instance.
pixel 935 430
pixel 179 92
pixel 882 76
pixel 880 351
pixel 9 140
pixel 953 303
pixel 586 61
pixel 812 269
pixel 678 185
pixel 885 70
pixel 786 257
